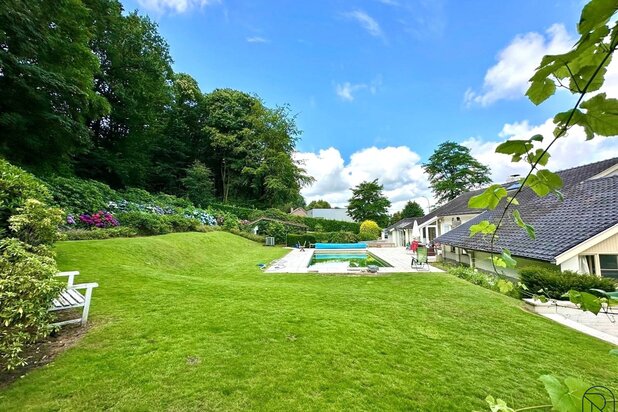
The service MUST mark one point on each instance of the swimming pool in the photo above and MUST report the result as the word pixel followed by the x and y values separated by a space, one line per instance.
pixel 355 258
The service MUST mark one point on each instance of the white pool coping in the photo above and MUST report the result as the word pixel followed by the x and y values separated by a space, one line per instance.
pixel 297 261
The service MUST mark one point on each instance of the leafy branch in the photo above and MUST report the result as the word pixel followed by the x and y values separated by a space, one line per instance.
pixel 585 64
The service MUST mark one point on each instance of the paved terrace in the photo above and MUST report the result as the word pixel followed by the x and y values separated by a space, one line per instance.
pixel 297 261
pixel 601 326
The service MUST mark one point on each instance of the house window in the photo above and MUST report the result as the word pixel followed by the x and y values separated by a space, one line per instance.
pixel 609 265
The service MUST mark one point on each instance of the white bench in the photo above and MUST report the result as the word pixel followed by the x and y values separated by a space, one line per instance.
pixel 71 298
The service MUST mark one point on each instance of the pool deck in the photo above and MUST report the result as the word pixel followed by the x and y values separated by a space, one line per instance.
pixel 297 261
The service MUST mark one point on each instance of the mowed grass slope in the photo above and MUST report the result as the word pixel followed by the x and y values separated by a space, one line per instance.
pixel 189 322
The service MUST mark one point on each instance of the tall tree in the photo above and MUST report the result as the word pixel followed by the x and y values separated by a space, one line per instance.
pixel 135 79
pixel 369 203
pixel 319 204
pixel 452 171
pixel 412 209
pixel 183 139
pixel 252 149
pixel 198 184
pixel 46 74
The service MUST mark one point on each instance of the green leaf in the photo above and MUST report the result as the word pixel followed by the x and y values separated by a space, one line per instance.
pixel 540 156
pixel 489 199
pixel 498 261
pixel 519 222
pixel 536 138
pixel 565 396
pixel 586 301
pixel 544 182
pixel 514 147
pixel 540 298
pixel 602 115
pixel 497 405
pixel 508 260
pixel 596 13
pixel 541 90
pixel 504 286
pixel 483 227
pixel 513 200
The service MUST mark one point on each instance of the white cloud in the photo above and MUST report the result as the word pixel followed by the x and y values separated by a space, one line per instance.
pixel 346 90
pixel 389 2
pixel 177 6
pixel 508 79
pixel 398 169
pixel 366 21
pixel 257 39
pixel 569 151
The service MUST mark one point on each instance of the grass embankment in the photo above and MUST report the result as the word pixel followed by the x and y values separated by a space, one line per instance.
pixel 188 322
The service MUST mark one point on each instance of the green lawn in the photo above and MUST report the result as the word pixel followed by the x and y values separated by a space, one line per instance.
pixel 188 322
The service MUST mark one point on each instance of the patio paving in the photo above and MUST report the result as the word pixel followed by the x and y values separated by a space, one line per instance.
pixel 297 261
pixel 602 326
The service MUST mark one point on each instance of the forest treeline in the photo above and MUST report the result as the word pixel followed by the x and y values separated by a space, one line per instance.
pixel 87 90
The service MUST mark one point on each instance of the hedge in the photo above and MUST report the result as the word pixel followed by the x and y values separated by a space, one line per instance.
pixel 92 234
pixel 554 283
pixel 322 237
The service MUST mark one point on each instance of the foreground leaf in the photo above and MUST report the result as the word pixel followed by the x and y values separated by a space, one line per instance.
pixel 489 199
pixel 565 396
pixel 586 301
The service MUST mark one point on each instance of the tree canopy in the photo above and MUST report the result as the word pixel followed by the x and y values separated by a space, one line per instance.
pixel 319 204
pixel 369 203
pixel 411 209
pixel 89 90
pixel 452 171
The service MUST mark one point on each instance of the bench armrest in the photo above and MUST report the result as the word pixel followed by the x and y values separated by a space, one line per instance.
pixel 85 286
pixel 70 275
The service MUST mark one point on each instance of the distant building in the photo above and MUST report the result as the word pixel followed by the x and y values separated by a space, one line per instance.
pixel 332 214
pixel 299 211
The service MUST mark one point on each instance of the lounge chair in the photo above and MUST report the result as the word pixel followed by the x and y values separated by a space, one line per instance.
pixel 419 262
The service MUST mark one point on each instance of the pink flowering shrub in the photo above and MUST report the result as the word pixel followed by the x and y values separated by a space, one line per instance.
pixel 99 219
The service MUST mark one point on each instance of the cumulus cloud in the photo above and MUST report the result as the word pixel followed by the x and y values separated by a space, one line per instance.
pixel 508 79
pixel 367 22
pixel 256 39
pixel 398 169
pixel 177 6
pixel 570 151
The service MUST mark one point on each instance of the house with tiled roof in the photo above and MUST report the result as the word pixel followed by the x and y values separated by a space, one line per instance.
pixel 439 221
pixel 579 233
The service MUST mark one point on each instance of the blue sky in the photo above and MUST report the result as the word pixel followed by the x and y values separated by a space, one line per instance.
pixel 376 80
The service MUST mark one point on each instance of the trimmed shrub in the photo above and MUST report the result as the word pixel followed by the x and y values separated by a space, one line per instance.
pixel 248 235
pixel 369 230
pixel 554 283
pixel 27 288
pixel 16 186
pixel 35 223
pixel 486 280
pixel 343 237
pixel 304 239
pixel 93 234
pixel 180 223
pixel 327 225
pixel 145 223
pixel 79 195
pixel 322 237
